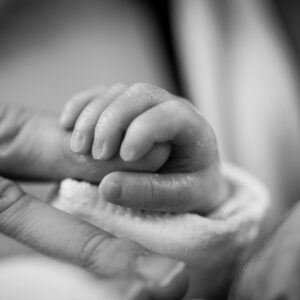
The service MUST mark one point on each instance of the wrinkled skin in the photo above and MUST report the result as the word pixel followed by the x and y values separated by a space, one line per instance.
pixel 33 147
pixel 135 118
pixel 273 272
pixel 130 121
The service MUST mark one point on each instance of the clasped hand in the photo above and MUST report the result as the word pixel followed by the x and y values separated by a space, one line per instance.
pixel 148 150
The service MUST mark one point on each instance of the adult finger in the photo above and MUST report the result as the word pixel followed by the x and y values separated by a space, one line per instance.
pixel 115 119
pixel 30 154
pixel 165 192
pixel 76 104
pixel 179 123
pixel 83 134
pixel 61 235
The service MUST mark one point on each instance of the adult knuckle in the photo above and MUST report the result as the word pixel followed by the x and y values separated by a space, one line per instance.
pixel 90 253
pixel 14 207
pixel 10 194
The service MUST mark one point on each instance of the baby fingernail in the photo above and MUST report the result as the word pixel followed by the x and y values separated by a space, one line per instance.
pixel 128 155
pixel 98 150
pixel 77 141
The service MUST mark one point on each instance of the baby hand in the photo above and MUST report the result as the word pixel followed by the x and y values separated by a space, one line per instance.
pixel 100 118
pixel 133 121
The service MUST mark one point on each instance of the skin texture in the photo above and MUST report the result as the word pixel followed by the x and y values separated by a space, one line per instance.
pixel 209 246
pixel 273 271
pixel 188 178
pixel 34 147
pixel 131 121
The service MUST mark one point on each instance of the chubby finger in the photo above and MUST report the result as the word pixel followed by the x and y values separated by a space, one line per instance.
pixel 83 133
pixel 115 119
pixel 164 192
pixel 76 104
pixel 61 235
pixel 174 121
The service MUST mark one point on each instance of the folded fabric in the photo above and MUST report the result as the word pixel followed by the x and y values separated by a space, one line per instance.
pixel 186 237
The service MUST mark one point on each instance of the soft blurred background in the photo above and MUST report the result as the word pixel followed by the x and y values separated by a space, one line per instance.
pixel 50 50
pixel 237 60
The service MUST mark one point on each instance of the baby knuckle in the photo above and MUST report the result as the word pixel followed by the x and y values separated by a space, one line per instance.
pixel 117 87
pixel 114 91
pixel 137 126
pixel 95 105
pixel 139 88
pixel 89 110
pixel 85 117
pixel 118 106
pixel 107 115
pixel 69 105
pixel 175 105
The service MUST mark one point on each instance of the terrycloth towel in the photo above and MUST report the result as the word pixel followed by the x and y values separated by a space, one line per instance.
pixel 186 237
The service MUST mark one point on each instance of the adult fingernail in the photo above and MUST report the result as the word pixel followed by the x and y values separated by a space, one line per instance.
pixel 77 141
pixel 112 191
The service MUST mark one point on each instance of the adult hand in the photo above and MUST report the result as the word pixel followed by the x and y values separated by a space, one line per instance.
pixel 34 147
pixel 63 236
pixel 273 272
pixel 211 246
pixel 53 232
